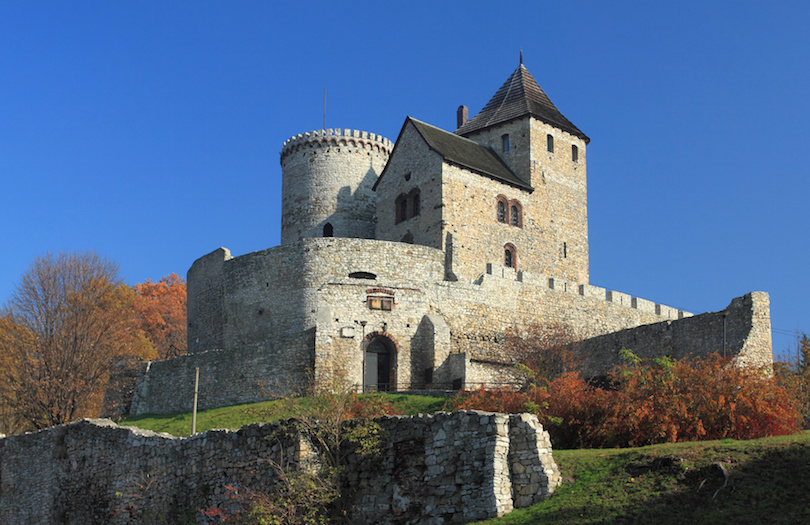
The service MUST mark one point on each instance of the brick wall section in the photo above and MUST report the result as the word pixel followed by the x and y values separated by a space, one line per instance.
pixel 449 467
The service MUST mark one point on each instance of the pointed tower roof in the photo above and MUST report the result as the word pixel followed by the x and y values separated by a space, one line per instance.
pixel 519 96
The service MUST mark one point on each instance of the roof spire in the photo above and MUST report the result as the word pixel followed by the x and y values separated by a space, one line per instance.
pixel 519 96
pixel 521 56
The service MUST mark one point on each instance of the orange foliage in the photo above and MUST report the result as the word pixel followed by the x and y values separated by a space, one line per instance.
pixel 67 320
pixel 653 402
pixel 370 407
pixel 161 311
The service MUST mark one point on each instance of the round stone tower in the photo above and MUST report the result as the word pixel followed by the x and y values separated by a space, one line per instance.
pixel 327 176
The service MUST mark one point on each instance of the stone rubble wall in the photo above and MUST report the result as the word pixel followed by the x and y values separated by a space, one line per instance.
pixel 95 472
pixel 448 467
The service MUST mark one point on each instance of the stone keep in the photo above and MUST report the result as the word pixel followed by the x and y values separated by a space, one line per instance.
pixel 402 266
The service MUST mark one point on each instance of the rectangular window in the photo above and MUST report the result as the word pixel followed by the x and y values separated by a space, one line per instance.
pixel 574 152
pixel 380 303
pixel 505 143
pixel 550 143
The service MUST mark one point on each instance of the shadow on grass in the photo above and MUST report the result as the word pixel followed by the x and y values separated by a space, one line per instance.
pixel 730 481
pixel 770 486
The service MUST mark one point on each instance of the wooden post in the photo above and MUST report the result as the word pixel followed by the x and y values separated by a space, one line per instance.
pixel 194 410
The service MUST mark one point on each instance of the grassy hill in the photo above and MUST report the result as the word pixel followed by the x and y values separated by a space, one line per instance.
pixel 179 424
pixel 758 481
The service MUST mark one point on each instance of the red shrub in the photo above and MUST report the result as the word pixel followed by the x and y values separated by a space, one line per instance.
pixel 652 402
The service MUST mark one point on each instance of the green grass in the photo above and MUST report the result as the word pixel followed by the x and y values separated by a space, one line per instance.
pixel 179 424
pixel 769 482
pixel 769 479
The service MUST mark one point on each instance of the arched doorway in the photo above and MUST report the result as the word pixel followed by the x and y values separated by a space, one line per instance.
pixel 379 364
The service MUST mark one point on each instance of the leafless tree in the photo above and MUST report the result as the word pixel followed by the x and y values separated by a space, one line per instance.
pixel 68 317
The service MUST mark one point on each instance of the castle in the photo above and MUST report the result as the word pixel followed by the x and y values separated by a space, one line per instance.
pixel 402 265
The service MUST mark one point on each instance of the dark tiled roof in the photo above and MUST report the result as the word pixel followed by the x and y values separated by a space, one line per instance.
pixel 519 96
pixel 468 154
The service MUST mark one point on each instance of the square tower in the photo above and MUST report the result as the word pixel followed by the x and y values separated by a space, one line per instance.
pixel 547 152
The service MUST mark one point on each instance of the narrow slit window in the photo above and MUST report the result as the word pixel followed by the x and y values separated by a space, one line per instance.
pixel 550 143
pixel 505 143
pixel 574 153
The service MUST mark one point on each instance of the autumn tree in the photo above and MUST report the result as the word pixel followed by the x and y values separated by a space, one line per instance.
pixel 70 315
pixel 161 311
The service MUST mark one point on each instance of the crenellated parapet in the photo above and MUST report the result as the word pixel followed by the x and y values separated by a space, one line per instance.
pixel 326 138
pixel 327 181
pixel 619 299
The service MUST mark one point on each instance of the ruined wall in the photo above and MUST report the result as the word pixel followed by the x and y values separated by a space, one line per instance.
pixel 94 472
pixel 457 467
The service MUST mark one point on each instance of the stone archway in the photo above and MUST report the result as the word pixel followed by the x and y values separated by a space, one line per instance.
pixel 379 372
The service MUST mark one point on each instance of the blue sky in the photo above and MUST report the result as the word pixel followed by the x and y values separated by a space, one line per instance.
pixel 150 131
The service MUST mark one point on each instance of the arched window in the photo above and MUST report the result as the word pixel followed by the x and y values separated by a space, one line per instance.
pixel 516 213
pixel 550 143
pixel 510 256
pixel 328 230
pixel 501 211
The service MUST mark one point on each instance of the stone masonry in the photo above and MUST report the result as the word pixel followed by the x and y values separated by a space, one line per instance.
pixel 443 468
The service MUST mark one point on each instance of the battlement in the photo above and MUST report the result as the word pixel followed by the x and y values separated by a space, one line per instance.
pixel 495 271
pixel 336 137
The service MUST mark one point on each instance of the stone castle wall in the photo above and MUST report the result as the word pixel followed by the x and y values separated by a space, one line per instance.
pixel 464 466
pixel 742 330
pixel 327 176
pixel 205 306
pixel 447 334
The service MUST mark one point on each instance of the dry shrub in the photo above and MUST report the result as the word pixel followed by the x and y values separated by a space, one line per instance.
pixel 656 401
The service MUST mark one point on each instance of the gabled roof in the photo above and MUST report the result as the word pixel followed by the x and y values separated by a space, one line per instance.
pixel 463 152
pixel 519 96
